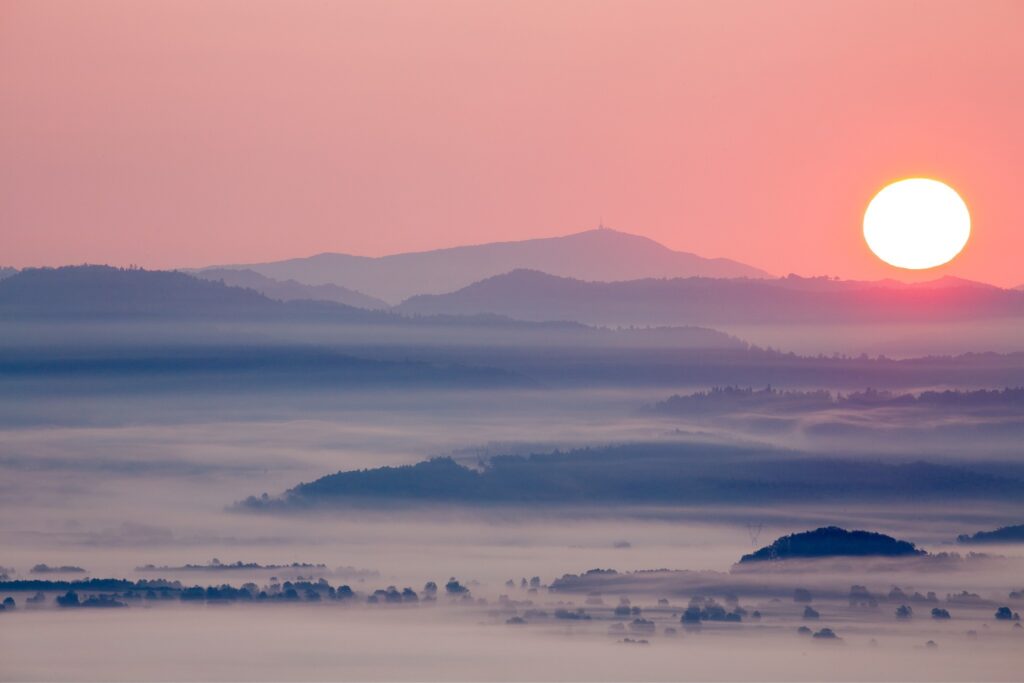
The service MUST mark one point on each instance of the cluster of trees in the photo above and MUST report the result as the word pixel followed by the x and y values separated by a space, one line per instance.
pixel 87 585
pixel 822 634
pixel 120 592
pixel 393 595
pixel 217 565
pixel 897 595
pixel 63 569
pixel 101 600
pixel 706 609
pixel 572 615
pixel 860 596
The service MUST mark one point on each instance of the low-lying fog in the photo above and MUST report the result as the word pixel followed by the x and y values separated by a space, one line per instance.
pixel 111 481
pixel 537 635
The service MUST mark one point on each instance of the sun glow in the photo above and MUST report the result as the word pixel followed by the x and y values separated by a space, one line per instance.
pixel 917 223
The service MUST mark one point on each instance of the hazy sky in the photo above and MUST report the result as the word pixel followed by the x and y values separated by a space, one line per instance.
pixel 190 133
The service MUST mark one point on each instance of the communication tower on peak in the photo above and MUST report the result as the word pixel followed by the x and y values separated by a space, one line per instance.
pixel 755 532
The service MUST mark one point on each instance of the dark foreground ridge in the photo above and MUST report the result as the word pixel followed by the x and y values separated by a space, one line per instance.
pixel 832 541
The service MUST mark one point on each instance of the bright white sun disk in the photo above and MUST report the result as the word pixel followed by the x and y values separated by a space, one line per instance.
pixel 917 223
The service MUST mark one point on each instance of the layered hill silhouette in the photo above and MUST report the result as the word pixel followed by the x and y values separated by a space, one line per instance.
pixel 534 295
pixel 601 254
pixel 73 294
pixel 290 290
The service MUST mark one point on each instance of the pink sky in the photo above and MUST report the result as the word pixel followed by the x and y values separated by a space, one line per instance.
pixel 189 133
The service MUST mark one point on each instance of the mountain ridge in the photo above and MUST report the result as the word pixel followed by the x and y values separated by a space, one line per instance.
pixel 601 254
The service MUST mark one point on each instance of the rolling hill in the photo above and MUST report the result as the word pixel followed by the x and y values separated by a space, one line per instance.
pixel 534 295
pixel 832 542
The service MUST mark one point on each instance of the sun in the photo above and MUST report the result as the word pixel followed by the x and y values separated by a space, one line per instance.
pixel 917 223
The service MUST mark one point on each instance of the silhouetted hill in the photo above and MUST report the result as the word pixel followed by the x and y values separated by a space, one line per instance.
pixel 602 254
pixel 534 295
pixel 1006 534
pixel 660 473
pixel 82 292
pixel 290 290
pixel 833 542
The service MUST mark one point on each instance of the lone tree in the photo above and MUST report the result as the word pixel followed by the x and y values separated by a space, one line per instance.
pixel 69 599
pixel 1005 614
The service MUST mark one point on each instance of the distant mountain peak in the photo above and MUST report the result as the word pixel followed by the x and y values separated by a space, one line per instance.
pixel 599 254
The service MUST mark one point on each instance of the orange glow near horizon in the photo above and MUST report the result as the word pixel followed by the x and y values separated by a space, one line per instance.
pixel 187 133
